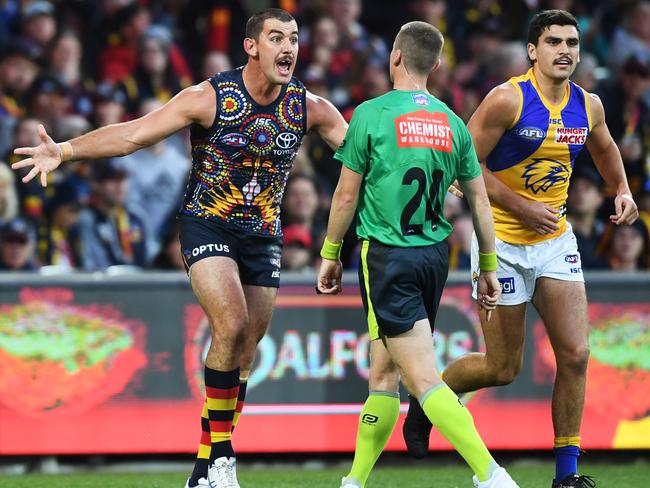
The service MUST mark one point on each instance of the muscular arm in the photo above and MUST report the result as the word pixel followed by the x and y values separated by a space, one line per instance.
pixel 609 163
pixel 344 204
pixel 487 125
pixel 326 120
pixel 492 118
pixel 479 204
pixel 194 104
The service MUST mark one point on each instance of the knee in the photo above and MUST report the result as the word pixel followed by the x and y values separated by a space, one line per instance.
pixel 229 331
pixel 505 376
pixel 505 372
pixel 386 380
pixel 574 360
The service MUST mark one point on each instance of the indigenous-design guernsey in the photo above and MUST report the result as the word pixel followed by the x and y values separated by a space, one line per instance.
pixel 534 158
pixel 240 165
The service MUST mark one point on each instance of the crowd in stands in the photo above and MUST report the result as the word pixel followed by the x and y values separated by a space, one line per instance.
pixel 75 65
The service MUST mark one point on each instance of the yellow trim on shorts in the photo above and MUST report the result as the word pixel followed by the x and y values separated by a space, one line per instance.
pixel 373 326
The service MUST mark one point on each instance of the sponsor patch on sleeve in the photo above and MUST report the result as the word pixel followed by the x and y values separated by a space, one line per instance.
pixel 424 129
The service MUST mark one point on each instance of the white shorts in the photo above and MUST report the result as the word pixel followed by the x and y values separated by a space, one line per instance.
pixel 519 265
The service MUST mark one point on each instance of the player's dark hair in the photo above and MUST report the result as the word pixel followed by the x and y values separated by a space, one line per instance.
pixel 546 19
pixel 421 46
pixel 255 24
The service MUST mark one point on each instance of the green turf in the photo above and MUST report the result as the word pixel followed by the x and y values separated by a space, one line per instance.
pixel 528 476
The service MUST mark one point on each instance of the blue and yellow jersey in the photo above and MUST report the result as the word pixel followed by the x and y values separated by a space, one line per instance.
pixel 535 156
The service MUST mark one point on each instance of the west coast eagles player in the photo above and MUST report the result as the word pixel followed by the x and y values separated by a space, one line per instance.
pixel 527 133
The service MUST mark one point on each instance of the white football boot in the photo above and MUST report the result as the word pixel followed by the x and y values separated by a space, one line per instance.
pixel 499 479
pixel 222 473
pixel 350 482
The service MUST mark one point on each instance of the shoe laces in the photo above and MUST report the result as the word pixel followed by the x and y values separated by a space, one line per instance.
pixel 224 474
pixel 585 481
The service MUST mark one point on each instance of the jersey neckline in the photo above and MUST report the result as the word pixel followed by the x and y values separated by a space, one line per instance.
pixel 283 90
pixel 552 108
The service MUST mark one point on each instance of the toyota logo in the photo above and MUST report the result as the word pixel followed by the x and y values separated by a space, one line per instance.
pixel 286 140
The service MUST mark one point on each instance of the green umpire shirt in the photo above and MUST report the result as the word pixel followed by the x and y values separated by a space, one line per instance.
pixel 409 147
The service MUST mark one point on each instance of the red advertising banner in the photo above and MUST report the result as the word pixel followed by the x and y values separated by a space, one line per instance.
pixel 117 368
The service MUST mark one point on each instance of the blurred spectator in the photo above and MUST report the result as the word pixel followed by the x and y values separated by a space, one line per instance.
pixel 59 243
pixel 120 57
pixel 628 250
pixel 215 62
pixel 435 13
pixel 111 233
pixel 39 24
pixel 297 250
pixel 109 104
pixel 170 256
pixel 9 14
pixel 356 49
pixel 444 87
pixel 316 58
pixel 156 192
pixel 507 60
pixel 633 37
pixel 482 44
pixel 460 242
pixel 17 246
pixel 585 73
pixel 584 201
pixel 65 63
pixel 300 204
pixel 18 69
pixel 8 196
pixel 49 100
pixel 628 117
pixel 153 76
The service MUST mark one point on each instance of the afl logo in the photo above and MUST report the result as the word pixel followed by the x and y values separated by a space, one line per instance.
pixel 531 133
pixel 234 139
pixel 286 140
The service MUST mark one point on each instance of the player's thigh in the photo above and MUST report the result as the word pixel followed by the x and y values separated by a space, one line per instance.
pixel 414 355
pixel 215 282
pixel 563 308
pixel 384 375
pixel 504 336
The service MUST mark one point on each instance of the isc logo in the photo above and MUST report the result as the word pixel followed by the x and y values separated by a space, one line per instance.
pixel 507 285
pixel 531 133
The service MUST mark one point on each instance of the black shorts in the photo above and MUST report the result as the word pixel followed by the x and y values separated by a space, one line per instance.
pixel 257 256
pixel 401 285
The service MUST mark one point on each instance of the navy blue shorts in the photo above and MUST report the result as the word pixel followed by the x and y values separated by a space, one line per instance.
pixel 401 285
pixel 257 256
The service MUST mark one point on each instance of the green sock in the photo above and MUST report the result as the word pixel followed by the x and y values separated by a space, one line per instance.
pixel 451 418
pixel 376 423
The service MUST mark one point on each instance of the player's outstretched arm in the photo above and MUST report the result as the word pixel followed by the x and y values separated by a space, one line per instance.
pixel 488 285
pixel 194 104
pixel 326 120
pixel 607 159
pixel 496 114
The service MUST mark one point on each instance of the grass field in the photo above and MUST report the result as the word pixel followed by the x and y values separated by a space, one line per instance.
pixel 536 475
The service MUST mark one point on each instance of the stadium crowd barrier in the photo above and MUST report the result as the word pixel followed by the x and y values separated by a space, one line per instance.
pixel 113 364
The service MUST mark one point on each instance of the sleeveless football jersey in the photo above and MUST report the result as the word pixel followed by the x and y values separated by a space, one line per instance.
pixel 534 158
pixel 410 147
pixel 240 165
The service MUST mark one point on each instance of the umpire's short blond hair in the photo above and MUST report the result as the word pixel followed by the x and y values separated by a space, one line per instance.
pixel 421 46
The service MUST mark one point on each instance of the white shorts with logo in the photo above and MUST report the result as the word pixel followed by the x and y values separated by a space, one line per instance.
pixel 519 265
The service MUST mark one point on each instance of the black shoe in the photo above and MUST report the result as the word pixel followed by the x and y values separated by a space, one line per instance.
pixel 416 430
pixel 575 481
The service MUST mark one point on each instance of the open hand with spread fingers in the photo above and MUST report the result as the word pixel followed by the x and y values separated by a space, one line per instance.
pixel 45 157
